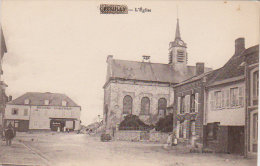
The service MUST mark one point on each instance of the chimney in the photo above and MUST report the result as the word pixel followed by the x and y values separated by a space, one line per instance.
pixel 109 58
pixel 10 98
pixel 239 45
pixel 199 68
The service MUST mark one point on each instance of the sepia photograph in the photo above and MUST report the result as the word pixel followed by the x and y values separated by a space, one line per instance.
pixel 129 83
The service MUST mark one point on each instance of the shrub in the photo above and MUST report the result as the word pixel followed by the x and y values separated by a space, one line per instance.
pixel 132 122
pixel 165 124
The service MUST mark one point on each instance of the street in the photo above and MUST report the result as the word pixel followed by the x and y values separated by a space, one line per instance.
pixel 72 149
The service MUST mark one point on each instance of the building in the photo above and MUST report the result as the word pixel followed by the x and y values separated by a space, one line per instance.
pixel 189 106
pixel 3 97
pixel 144 88
pixel 43 111
pixel 252 84
pixel 224 120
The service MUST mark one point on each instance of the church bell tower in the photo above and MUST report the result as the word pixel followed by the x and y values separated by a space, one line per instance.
pixel 177 49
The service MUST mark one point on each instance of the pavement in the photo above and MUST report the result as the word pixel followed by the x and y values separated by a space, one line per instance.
pixel 70 149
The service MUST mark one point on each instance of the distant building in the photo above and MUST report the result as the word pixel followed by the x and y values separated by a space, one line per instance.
pixel 225 103
pixel 43 111
pixel 144 88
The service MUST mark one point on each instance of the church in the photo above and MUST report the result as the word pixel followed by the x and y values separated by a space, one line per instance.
pixel 143 88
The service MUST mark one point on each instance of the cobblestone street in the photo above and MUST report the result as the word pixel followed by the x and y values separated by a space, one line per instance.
pixel 78 149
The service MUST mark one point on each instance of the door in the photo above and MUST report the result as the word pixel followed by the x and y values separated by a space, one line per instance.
pixel 254 132
pixel 23 126
pixel 236 139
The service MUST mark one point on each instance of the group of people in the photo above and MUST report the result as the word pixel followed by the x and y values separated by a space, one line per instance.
pixel 8 134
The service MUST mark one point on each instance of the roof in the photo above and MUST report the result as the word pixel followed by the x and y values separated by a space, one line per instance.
pixel 37 98
pixel 208 75
pixel 233 68
pixel 146 71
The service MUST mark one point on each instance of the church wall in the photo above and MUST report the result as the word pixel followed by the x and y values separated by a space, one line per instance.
pixel 116 91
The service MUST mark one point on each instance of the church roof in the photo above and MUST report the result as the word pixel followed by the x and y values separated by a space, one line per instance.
pixel 146 71
pixel 37 98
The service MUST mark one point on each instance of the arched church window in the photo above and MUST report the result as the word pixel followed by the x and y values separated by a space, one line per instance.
pixel 145 106
pixel 127 105
pixel 162 105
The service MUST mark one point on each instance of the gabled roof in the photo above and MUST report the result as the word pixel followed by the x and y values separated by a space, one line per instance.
pixel 146 71
pixel 234 68
pixel 37 99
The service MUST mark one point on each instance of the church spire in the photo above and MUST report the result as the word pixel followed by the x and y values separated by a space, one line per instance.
pixel 177 34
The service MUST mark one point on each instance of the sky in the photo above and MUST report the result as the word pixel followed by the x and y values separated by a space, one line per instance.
pixel 61 46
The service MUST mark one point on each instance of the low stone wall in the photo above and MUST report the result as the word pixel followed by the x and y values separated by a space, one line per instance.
pixel 129 135
pixel 158 137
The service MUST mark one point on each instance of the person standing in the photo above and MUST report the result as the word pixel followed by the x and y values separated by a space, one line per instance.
pixel 9 134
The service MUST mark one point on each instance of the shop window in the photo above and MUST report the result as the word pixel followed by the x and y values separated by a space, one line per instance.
pixel 25 113
pixel 127 105
pixel 14 111
pixel 162 105
pixel 145 106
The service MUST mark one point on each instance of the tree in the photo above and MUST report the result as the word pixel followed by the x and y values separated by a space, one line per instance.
pixel 132 122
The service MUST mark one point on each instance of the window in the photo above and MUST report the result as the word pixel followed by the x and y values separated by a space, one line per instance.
pixel 196 102
pixel 218 100
pixel 180 56
pixel 46 102
pixel 162 105
pixel 241 96
pixel 14 111
pixel 64 103
pixel 255 87
pixel 182 110
pixel 255 124
pixel 233 97
pixel 212 101
pixel 26 101
pixel 127 105
pixel 145 106
pixel 192 103
pixel 25 113
pixel 182 129
pixel 227 98
pixel 212 130
pixel 179 105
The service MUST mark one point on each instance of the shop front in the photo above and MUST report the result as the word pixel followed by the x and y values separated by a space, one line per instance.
pixel 62 124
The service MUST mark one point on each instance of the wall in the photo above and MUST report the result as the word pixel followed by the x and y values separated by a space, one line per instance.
pixel 115 92
pixel 128 135
pixel 20 115
pixel 226 116
pixel 158 137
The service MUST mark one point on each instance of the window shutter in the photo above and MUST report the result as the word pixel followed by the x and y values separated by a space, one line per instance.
pixel 241 96
pixel 177 129
pixel 196 102
pixel 179 105
pixel 188 103
pixel 184 129
pixel 227 98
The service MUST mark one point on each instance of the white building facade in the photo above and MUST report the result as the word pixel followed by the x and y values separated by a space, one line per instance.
pixel 43 111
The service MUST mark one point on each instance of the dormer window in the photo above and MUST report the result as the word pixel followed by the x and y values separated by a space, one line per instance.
pixel 46 102
pixel 26 101
pixel 64 103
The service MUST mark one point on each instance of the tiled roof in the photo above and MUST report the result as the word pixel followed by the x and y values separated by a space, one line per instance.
pixel 233 67
pixel 37 98
pixel 146 71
